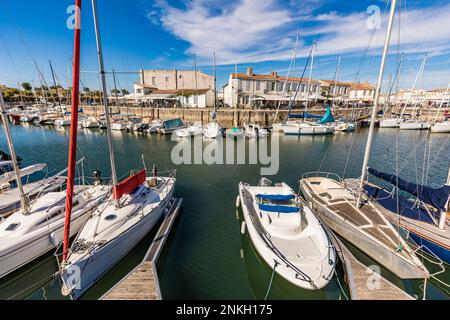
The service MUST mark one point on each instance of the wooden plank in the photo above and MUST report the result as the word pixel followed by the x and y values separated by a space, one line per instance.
pixel 358 278
pixel 142 282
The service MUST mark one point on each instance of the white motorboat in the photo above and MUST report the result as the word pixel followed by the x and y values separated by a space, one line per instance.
pixel 25 237
pixel 365 227
pixel 111 232
pixel 287 234
pixel 90 122
pixel 154 126
pixel 191 131
pixel 134 124
pixel 212 130
pixel 441 127
pixel 345 126
pixel 119 126
pixel 390 123
pixel 169 126
pixel 255 131
pixel 62 122
pixel 414 125
pixel 235 132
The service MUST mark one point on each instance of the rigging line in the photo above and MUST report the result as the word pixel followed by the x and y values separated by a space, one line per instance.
pixel 11 59
pixel 271 280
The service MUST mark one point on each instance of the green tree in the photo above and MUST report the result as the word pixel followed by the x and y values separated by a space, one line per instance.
pixel 27 86
pixel 125 92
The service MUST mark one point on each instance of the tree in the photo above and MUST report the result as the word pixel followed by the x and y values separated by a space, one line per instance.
pixel 125 92
pixel 27 86
pixel 115 91
pixel 86 89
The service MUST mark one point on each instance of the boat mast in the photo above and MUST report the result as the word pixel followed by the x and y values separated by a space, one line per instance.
pixel 215 85
pixel 337 78
pixel 23 198
pixel 444 98
pixel 71 167
pixel 54 82
pixel 376 101
pixel 411 92
pixel 310 77
pixel 105 95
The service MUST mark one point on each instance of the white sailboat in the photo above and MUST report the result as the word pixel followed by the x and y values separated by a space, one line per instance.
pixel 444 126
pixel 354 216
pixel 287 235
pixel 121 222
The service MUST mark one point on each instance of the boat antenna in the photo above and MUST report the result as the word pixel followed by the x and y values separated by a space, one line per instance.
pixel 376 102
pixel 71 166
pixel 105 95
pixel 310 78
pixel 215 86
pixel 23 198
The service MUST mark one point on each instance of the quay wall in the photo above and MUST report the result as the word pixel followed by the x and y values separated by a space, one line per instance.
pixel 233 117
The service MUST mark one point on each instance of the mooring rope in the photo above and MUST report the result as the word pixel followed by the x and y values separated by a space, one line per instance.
pixel 271 280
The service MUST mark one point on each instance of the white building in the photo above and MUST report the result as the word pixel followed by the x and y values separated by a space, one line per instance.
pixel 247 88
pixel 190 88
pixel 361 92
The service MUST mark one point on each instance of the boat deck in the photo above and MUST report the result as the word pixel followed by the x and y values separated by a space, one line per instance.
pixel 142 282
pixel 358 279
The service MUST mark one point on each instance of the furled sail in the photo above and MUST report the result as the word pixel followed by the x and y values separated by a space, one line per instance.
pixel 328 117
pixel 10 176
pixel 438 198
pixel 306 115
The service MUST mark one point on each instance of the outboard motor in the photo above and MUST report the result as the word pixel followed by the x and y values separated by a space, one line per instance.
pixel 153 183
pixel 154 171
pixel 96 175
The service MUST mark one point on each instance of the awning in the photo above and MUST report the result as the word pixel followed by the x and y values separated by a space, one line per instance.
pixel 278 209
pixel 279 197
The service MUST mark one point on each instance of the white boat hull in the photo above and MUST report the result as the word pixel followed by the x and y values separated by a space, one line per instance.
pixel 389 123
pixel 416 125
pixel 441 127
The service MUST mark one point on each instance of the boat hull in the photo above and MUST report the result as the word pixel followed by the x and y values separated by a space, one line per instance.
pixel 443 127
pixel 414 126
pixel 369 246
pixel 389 123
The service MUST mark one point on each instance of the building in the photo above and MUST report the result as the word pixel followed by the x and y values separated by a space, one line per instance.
pixel 248 88
pixel 333 89
pixel 361 92
pixel 190 88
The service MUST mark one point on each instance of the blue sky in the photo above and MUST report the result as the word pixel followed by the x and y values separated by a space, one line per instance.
pixel 261 34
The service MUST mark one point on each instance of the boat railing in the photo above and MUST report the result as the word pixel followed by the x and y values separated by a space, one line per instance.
pixel 432 258
pixel 322 174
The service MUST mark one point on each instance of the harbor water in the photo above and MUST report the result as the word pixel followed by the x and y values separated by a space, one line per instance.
pixel 206 256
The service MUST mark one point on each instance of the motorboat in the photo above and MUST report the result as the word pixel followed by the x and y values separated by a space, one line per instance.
pixel 255 131
pixel 287 235
pixel 235 132
pixel 191 131
pixel 212 130
pixel 154 126
pixel 170 126
pixel 62 122
pixel 90 122
pixel 306 128
pixel 344 126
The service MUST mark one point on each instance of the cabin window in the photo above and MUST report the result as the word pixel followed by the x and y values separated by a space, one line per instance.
pixel 111 217
pixel 12 227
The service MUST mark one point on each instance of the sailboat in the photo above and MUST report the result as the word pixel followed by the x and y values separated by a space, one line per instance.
pixel 120 222
pixel 287 234
pixel 305 127
pixel 38 226
pixel 425 220
pixel 444 126
pixel 354 216
pixel 213 130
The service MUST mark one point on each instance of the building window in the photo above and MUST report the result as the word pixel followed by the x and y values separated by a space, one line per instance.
pixel 154 81
pixel 167 79
pixel 258 85
pixel 303 88
pixel 272 86
pixel 247 85
pixel 294 87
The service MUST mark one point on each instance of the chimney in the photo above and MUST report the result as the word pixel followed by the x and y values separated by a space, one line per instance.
pixel 274 74
pixel 249 71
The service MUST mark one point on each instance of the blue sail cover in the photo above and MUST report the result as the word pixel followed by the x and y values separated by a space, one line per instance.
pixel 279 197
pixel 304 115
pixel 278 209
pixel 328 117
pixel 438 198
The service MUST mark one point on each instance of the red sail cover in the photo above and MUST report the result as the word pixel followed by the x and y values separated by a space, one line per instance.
pixel 130 184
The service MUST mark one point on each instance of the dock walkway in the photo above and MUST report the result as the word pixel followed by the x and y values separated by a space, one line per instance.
pixel 142 282
pixel 358 278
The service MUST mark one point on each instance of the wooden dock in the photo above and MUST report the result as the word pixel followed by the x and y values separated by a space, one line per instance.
pixel 358 278
pixel 142 282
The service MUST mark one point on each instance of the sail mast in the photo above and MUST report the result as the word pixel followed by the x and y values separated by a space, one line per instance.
pixel 310 77
pixel 215 82
pixel 336 79
pixel 105 95
pixel 73 129
pixel 23 198
pixel 376 101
